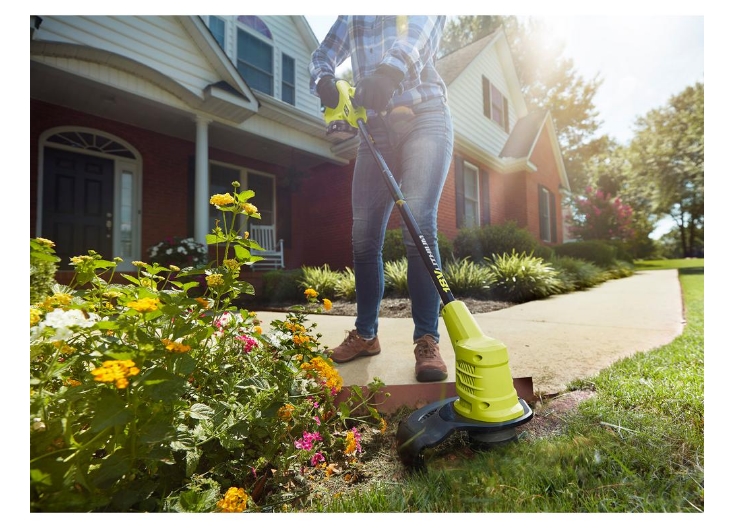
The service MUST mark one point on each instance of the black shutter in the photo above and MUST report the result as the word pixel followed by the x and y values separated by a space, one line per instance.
pixel 552 213
pixel 459 177
pixel 484 185
pixel 486 98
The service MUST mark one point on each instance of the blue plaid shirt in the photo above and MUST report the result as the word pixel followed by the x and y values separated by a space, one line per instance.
pixel 407 43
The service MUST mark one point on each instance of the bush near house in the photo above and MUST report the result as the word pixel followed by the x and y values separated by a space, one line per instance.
pixel 497 239
pixel 394 248
pixel 597 252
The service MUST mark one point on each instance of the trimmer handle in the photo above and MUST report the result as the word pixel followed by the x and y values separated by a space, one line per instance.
pixel 345 111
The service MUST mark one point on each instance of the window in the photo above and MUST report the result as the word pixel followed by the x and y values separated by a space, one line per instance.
pixel 216 26
pixel 288 89
pixel 471 196
pixel 547 215
pixel 495 104
pixel 220 181
pixel 255 62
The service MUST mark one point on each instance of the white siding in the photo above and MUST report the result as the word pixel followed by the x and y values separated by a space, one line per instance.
pixel 466 102
pixel 158 42
pixel 286 39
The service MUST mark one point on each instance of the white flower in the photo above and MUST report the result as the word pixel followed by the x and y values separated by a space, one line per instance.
pixel 63 321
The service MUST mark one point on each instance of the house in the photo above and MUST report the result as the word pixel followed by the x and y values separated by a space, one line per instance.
pixel 137 120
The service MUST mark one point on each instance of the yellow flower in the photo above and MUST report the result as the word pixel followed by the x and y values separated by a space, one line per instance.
pixel 327 304
pixel 78 259
pixel 300 339
pixel 214 280
pixel 325 372
pixel 116 372
pixel 175 347
pixel 249 208
pixel 203 302
pixel 310 293
pixel 58 299
pixel 140 264
pixel 72 382
pixel 174 268
pixel 258 330
pixel 35 316
pixel 232 264
pixel 221 200
pixel 235 500
pixel 285 411
pixel 44 242
pixel 145 305
pixel 350 443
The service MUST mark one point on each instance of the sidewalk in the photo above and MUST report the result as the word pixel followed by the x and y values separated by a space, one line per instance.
pixel 550 342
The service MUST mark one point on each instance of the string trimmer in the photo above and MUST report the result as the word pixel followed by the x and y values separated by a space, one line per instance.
pixel 487 406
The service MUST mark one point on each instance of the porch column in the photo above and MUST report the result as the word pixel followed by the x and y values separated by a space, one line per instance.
pixel 201 194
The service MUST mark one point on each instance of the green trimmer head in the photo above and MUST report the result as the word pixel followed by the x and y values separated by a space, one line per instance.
pixel 487 406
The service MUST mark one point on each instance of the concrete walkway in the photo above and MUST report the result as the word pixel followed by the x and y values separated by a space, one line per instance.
pixel 550 342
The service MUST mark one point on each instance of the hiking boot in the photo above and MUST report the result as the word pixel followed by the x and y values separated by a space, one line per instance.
pixel 429 366
pixel 354 346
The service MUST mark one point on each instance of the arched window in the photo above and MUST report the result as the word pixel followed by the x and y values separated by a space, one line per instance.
pixel 253 22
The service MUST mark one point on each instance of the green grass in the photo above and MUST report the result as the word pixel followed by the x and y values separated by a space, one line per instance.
pixel 636 447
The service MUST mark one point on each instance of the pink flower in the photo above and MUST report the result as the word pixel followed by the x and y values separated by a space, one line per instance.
pixel 316 459
pixel 307 440
pixel 248 341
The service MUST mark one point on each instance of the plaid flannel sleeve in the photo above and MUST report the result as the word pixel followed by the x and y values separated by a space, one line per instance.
pixel 418 38
pixel 332 51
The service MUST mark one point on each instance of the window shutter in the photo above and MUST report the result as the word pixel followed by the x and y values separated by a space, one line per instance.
pixel 552 213
pixel 484 186
pixel 486 97
pixel 459 177
pixel 543 214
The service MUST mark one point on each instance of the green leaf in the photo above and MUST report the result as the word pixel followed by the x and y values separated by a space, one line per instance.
pixel 241 253
pixel 113 468
pixel 110 410
pixel 201 411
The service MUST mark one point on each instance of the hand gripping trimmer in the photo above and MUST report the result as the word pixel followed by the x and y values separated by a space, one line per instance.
pixel 487 406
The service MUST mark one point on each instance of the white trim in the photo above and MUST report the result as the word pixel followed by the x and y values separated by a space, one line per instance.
pixel 121 165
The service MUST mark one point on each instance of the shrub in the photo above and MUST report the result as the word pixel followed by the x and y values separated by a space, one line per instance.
pixel 320 278
pixel 578 274
pixel 346 285
pixel 43 264
pixel 145 399
pixel 522 277
pixel 282 286
pixel 466 278
pixel 478 243
pixel 597 252
pixel 395 278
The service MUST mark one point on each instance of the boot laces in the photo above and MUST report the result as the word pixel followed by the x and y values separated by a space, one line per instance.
pixel 425 349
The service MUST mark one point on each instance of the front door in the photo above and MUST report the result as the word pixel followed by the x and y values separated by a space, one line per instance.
pixel 77 204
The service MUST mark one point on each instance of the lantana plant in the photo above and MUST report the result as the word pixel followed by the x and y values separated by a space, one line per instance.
pixel 147 398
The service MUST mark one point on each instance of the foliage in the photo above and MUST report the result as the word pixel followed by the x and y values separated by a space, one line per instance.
pixel 466 278
pixel 322 279
pixel 43 264
pixel 395 278
pixel 597 215
pixel 178 251
pixel 145 399
pixel 482 241
pixel 577 274
pixel 667 163
pixel 598 252
pixel 282 285
pixel 522 277
pixel 345 288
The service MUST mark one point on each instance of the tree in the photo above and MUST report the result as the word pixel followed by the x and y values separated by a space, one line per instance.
pixel 549 81
pixel 599 216
pixel 667 159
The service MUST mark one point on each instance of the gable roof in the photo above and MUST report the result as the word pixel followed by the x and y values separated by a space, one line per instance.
pixel 450 66
pixel 524 136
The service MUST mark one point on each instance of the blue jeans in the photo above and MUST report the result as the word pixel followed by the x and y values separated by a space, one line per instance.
pixel 418 147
